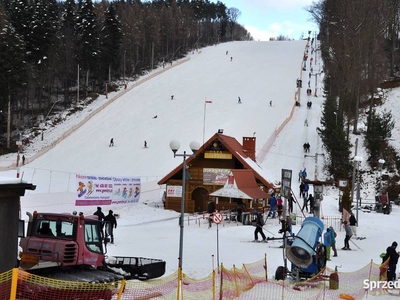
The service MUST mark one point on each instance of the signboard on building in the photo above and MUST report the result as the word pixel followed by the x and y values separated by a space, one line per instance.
pixel 217 155
pixel 174 191
pixel 215 176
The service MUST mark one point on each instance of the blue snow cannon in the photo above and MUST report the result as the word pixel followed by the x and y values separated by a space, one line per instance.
pixel 302 252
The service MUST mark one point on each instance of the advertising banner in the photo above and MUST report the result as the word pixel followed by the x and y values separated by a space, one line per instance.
pixel 106 190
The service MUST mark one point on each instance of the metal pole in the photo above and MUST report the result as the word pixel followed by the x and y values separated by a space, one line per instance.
pixel 316 168
pixel 316 85
pixel 181 220
pixel 124 67
pixel 77 90
pixel 358 189
pixel 354 172
pixel 218 247
pixel 9 120
pixel 380 180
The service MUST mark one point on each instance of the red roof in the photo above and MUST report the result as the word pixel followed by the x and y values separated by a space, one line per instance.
pixel 247 184
pixel 233 146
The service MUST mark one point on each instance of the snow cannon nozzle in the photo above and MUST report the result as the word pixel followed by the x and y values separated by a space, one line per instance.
pixel 305 243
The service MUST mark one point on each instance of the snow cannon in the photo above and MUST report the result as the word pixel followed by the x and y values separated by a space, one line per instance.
pixel 302 250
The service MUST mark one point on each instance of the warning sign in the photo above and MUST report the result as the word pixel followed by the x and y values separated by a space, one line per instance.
pixel 217 218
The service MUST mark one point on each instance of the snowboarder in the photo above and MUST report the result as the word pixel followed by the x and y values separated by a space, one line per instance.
pixel 270 103
pixel 231 58
pixel 111 223
pixel 172 97
pixel 145 144
pixel 112 142
pixel 239 100
pixel 259 227
pixel 155 117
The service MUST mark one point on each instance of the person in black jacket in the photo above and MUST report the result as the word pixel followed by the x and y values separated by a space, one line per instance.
pixel 101 217
pixel 353 224
pixel 111 223
pixel 259 227
pixel 393 256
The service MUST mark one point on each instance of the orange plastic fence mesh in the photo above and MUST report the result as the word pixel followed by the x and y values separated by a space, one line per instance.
pixel 163 288
pixel 234 282
pixel 5 284
pixel 246 283
pixel 257 269
pixel 33 287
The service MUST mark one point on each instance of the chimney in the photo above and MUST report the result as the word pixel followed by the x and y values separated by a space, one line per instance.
pixel 249 147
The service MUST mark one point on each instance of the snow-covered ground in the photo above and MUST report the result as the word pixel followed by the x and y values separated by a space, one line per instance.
pixel 259 72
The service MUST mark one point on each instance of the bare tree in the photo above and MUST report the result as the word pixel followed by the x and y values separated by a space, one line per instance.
pixel 233 14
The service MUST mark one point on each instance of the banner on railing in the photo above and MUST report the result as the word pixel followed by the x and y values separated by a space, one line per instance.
pixel 106 190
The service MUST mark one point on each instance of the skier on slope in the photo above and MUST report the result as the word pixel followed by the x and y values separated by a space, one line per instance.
pixel 259 227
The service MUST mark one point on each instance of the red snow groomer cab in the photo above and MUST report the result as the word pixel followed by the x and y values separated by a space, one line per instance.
pixel 70 247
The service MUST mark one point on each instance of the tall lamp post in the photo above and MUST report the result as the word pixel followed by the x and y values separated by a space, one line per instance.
pixel 45 118
pixel 194 146
pixel 381 162
pixel 357 161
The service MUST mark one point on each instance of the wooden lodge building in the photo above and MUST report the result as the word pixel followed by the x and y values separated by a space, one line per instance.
pixel 222 162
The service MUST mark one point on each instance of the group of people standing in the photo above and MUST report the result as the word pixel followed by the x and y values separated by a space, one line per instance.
pixel 110 221
pixel 308 201
pixel 306 147
pixel 330 242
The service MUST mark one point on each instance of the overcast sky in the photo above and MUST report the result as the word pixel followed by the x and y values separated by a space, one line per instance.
pixel 267 18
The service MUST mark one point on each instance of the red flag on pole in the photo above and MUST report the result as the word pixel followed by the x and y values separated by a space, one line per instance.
pixel 208 101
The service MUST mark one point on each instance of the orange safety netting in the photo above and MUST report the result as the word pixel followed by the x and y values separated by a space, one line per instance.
pixel 246 283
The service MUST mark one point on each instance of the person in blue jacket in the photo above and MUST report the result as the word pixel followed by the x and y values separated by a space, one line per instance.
pixel 333 240
pixel 306 188
pixel 328 243
pixel 272 205
pixel 304 173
